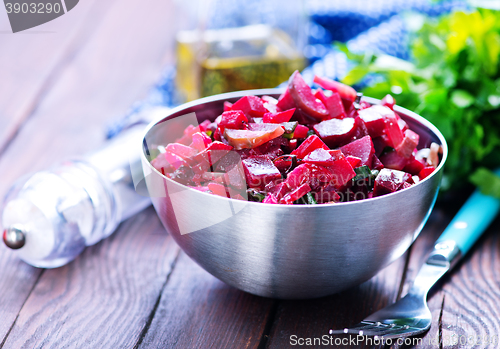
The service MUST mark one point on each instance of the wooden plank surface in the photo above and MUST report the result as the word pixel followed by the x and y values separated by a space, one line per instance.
pixel 32 60
pixel 295 321
pixel 135 289
pixel 105 297
pixel 465 303
pixel 30 63
pixel 198 311
pixel 99 81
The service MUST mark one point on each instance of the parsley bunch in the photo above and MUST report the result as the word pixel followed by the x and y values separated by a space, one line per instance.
pixel 454 82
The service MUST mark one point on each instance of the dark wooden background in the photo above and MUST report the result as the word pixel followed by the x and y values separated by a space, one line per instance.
pixel 60 84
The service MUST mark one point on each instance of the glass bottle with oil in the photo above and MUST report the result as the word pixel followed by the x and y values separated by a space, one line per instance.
pixel 239 45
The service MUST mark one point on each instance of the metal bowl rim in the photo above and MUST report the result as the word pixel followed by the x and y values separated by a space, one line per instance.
pixel 271 91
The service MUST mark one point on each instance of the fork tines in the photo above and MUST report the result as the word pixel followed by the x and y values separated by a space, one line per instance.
pixel 376 329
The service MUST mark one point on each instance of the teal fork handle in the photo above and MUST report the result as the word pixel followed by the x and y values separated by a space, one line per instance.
pixel 472 220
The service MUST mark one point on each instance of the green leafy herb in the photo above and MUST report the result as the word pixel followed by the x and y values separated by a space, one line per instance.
pixel 362 172
pixel 255 195
pixel 454 82
pixel 310 199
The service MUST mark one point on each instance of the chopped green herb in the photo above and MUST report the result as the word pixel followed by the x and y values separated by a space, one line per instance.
pixel 310 199
pixel 362 172
pixel 290 126
pixel 255 195
pixel 454 82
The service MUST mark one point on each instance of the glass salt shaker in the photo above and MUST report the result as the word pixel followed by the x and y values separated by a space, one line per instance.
pixel 51 216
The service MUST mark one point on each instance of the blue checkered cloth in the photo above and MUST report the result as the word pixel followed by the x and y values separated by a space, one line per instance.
pixel 375 25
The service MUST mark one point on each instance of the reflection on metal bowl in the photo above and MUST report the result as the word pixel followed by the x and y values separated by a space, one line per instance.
pixel 283 251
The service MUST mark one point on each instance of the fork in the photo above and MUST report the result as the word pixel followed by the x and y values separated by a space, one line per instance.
pixel 410 315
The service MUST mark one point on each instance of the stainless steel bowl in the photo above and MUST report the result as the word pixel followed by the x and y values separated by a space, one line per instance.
pixel 282 251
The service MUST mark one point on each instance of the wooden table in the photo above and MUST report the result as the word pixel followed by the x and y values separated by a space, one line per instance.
pixel 59 85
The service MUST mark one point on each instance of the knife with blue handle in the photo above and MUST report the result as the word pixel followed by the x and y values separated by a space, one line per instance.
pixel 410 315
pixel 467 226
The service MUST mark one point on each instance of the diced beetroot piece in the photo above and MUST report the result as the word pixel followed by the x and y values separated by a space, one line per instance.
pixel 388 181
pixel 247 139
pixel 300 175
pixel 364 105
pixel 336 132
pixel 277 118
pixel 234 119
pixel 271 108
pixel 403 126
pixel 350 111
pixel 300 131
pixel 296 194
pixel 380 143
pixel 279 190
pixel 228 106
pixel 354 161
pixel 374 121
pixel 259 171
pixel 182 150
pixel 214 152
pixel 426 171
pixel 285 101
pixel 303 118
pixel 292 144
pixel 361 130
pixel 218 189
pixel 213 177
pixel 269 99
pixel 405 185
pixel 410 142
pixel 270 104
pixel 336 154
pixel 320 175
pixel 319 156
pixel 392 130
pixel 270 199
pixel 217 134
pixel 347 93
pixel 200 141
pixel 332 103
pixel 283 164
pixel 393 160
pixel 414 166
pixel 271 148
pixel 361 148
pixel 175 160
pixel 388 101
pixel 219 146
pixel 310 143
pixel 376 163
pixel 342 172
pixel 205 125
pixel 227 162
pixel 162 165
pixel 188 132
pixel 251 106
pixel 304 98
pixel 201 167
pixel 235 178
pixel 325 194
